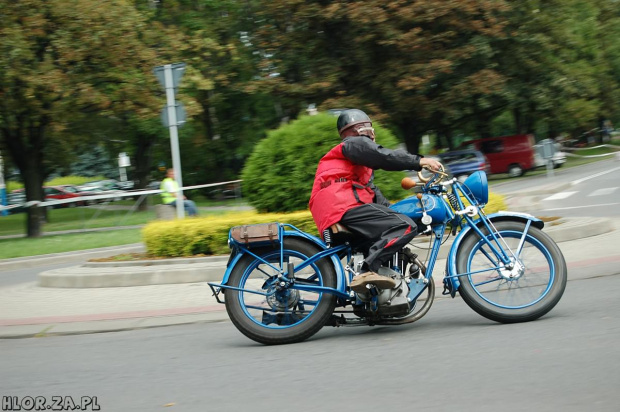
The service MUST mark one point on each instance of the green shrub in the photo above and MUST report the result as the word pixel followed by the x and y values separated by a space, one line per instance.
pixel 209 235
pixel 279 174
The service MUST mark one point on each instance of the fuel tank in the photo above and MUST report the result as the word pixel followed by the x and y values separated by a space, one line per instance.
pixel 435 207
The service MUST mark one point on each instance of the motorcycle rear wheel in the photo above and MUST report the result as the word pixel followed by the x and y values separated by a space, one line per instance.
pixel 512 296
pixel 275 316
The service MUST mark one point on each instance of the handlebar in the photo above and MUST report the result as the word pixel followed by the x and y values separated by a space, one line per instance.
pixel 408 183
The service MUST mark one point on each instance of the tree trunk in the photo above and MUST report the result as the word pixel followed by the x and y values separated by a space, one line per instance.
pixel 410 134
pixel 34 178
pixel 26 145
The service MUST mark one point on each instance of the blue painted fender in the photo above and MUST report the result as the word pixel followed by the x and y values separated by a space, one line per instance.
pixel 340 273
pixel 453 283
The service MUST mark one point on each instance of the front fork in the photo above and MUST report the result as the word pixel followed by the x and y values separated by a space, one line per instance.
pixel 417 286
pixel 505 257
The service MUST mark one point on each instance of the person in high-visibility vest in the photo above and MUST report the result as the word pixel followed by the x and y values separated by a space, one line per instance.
pixel 169 188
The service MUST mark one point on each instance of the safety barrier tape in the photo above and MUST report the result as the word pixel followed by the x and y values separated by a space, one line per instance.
pixel 115 195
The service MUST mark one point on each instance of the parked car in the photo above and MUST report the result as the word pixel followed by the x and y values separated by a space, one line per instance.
pixel 462 163
pixel 506 154
pixel 559 157
pixel 81 193
pixel 62 193
pixel 109 184
pixel 153 185
pixel 126 185
pixel 102 188
pixel 52 193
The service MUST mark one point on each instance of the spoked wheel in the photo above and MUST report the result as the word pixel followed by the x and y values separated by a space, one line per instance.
pixel 270 313
pixel 524 290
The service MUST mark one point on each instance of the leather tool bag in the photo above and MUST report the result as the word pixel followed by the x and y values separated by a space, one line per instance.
pixel 256 235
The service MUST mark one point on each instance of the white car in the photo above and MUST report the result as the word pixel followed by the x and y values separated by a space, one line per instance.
pixel 559 157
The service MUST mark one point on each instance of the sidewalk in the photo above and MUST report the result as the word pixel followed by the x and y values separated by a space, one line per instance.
pixel 85 306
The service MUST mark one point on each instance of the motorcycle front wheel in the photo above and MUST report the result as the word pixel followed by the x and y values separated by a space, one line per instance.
pixel 269 314
pixel 526 289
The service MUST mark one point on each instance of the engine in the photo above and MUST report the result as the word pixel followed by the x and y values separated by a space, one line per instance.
pixel 392 302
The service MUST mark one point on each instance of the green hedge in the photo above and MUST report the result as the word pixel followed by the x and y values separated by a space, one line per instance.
pixel 209 235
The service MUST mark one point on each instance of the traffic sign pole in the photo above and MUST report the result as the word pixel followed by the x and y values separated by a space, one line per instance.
pixel 171 78
pixel 3 201
pixel 548 151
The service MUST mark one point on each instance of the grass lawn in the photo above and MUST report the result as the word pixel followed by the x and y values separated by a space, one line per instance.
pixel 76 218
pixel 12 248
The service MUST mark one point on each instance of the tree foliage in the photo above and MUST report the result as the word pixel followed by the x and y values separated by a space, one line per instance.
pixel 279 174
pixel 419 64
pixel 76 72
pixel 60 59
pixel 233 117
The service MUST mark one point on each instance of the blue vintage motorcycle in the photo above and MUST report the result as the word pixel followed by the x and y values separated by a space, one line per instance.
pixel 283 285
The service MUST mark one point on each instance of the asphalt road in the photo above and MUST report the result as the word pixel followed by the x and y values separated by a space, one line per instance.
pixel 453 359
pixel 16 276
pixel 560 176
pixel 597 194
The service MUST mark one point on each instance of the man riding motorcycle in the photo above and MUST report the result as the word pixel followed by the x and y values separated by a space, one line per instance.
pixel 344 192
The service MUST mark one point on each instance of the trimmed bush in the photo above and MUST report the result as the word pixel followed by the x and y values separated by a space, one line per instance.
pixel 495 204
pixel 279 174
pixel 209 235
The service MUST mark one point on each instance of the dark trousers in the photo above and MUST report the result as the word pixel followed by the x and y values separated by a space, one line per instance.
pixel 388 231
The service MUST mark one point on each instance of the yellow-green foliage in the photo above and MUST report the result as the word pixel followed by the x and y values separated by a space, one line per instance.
pixel 209 235
pixel 495 204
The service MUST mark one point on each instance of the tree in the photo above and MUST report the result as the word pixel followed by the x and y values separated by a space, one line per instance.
pixel 233 117
pixel 60 59
pixel 415 65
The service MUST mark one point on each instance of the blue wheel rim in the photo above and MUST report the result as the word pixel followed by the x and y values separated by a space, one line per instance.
pixel 533 242
pixel 292 320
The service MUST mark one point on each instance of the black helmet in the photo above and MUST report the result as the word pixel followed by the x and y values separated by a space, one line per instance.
pixel 351 117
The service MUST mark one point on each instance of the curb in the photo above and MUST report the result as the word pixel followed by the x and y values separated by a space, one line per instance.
pixel 65 257
pixel 119 276
pixel 207 269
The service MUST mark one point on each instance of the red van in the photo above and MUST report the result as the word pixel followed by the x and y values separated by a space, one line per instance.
pixel 506 154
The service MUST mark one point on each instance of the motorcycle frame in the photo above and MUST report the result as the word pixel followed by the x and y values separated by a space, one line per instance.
pixel 451 277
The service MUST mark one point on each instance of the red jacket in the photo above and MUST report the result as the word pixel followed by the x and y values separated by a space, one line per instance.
pixel 344 177
pixel 339 185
